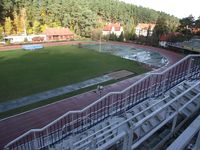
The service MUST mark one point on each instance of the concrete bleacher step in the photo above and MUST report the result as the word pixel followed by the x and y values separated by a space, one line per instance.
pixel 191 106
pixel 186 85
pixel 194 103
pixel 173 94
pixel 105 137
pixel 192 92
pixel 104 130
pixel 150 123
pixel 182 101
pixel 158 117
pixel 152 142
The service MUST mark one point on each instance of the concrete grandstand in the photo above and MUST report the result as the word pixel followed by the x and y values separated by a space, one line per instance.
pixel 156 112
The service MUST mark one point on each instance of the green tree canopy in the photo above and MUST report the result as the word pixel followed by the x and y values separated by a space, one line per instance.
pixel 8 26
pixel 80 16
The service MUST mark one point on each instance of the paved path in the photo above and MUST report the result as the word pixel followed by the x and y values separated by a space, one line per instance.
pixel 14 47
pixel 51 93
pixel 13 127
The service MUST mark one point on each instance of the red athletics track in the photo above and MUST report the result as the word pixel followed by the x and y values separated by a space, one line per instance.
pixel 13 127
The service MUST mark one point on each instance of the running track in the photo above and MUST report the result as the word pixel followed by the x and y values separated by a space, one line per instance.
pixel 13 127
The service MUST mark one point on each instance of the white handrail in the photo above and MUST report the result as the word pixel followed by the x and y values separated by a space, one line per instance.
pixel 137 124
pixel 99 100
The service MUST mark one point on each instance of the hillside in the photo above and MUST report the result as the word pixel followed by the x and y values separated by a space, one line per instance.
pixel 81 16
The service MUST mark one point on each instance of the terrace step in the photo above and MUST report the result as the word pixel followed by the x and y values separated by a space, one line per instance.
pixel 104 132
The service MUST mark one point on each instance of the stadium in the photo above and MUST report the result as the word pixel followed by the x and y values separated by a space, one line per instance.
pixel 158 110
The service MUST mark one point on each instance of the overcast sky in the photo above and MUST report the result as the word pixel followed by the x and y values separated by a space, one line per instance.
pixel 178 8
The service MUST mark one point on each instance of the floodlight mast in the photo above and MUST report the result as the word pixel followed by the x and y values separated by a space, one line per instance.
pixel 100 44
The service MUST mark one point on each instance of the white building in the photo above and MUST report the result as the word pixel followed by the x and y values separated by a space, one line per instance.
pixel 22 38
pixel 113 28
pixel 142 29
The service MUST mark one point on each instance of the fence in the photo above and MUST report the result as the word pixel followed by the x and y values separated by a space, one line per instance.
pixel 72 122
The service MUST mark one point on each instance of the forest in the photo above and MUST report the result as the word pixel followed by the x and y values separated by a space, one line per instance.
pixel 81 16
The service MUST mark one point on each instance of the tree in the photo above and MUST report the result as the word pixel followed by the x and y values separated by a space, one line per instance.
pixel 160 29
pixel 129 29
pixel 96 34
pixel 187 22
pixel 113 37
pixel 8 26
pixel 2 12
pixel 1 32
pixel 36 27
pixel 81 16
pixel 197 23
pixel 121 37
pixel 23 19
pixel 17 24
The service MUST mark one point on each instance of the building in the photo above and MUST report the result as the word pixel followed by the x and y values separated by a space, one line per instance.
pixel 23 38
pixel 58 34
pixel 145 115
pixel 113 28
pixel 195 30
pixel 164 39
pixel 142 29
pixel 50 34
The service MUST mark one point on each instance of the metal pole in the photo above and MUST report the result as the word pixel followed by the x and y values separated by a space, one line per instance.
pixel 197 143
pixel 125 142
pixel 174 123
pixel 189 68
pixel 130 138
pixel 35 141
pixel 100 44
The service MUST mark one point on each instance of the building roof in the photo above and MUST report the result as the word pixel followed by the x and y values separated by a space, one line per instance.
pixel 58 31
pixel 166 37
pixel 195 30
pixel 146 26
pixel 109 27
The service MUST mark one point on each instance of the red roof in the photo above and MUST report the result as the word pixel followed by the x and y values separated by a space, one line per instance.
pixel 58 31
pixel 195 29
pixel 146 26
pixel 166 37
pixel 109 26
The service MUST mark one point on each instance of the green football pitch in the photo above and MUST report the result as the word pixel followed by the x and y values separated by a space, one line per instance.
pixel 23 73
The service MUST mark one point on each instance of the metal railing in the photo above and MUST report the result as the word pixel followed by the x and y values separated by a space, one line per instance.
pixel 72 122
pixel 162 111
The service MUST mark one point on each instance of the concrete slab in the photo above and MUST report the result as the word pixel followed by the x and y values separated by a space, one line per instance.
pixel 120 74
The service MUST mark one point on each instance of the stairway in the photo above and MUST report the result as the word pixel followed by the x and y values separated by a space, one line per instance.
pixel 102 133
pixel 154 141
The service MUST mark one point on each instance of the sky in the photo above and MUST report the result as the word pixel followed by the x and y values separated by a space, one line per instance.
pixel 178 8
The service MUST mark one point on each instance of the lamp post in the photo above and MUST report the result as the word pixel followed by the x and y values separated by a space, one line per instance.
pixel 100 44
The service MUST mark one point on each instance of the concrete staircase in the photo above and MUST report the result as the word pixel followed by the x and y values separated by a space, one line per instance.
pixel 156 140
pixel 148 123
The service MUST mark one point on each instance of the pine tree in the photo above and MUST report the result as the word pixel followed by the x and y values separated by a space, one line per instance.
pixel 36 27
pixel 1 32
pixel 121 37
pixel 8 26
pixel 17 24
pixel 23 19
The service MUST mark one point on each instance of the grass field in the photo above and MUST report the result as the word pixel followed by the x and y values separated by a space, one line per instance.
pixel 23 73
